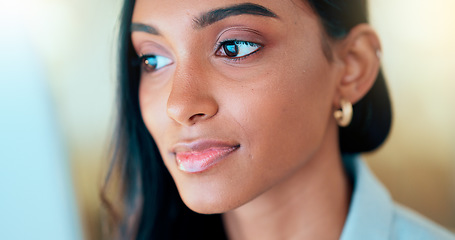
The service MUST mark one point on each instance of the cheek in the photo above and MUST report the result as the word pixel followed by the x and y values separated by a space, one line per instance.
pixel 153 109
pixel 285 120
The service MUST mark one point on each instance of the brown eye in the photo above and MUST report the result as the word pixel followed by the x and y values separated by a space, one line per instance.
pixel 231 49
pixel 154 62
pixel 238 49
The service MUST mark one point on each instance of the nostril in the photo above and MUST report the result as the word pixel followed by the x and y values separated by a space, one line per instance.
pixel 197 116
pixel 188 107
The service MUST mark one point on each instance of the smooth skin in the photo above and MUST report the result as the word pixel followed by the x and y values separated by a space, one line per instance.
pixel 286 180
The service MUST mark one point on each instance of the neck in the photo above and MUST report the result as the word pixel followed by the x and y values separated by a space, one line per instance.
pixel 311 204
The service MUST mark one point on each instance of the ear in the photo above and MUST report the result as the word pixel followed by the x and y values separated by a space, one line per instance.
pixel 359 54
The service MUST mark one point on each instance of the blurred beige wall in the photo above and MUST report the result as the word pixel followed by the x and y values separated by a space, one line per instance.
pixel 417 163
pixel 77 39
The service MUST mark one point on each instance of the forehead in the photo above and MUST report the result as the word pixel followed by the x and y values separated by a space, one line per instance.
pixel 187 11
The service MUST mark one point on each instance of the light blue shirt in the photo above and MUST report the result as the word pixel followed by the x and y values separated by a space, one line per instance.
pixel 374 216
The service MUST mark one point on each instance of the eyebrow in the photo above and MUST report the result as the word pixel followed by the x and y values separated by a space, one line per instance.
pixel 213 16
pixel 140 27
pixel 216 15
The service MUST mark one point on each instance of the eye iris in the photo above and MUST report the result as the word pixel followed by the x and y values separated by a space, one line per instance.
pixel 151 62
pixel 231 49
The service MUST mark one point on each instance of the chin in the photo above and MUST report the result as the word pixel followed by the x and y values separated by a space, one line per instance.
pixel 207 203
pixel 206 209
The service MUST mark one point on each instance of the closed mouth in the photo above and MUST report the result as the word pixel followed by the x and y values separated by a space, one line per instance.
pixel 201 156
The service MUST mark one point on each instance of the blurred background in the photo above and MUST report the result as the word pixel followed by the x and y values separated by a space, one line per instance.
pixel 73 44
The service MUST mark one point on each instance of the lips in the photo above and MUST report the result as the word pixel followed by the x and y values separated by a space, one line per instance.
pixel 199 156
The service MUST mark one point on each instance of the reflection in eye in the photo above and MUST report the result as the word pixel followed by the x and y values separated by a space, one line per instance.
pixel 237 49
pixel 154 62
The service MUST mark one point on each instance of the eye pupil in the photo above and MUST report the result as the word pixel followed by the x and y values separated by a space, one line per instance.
pixel 231 49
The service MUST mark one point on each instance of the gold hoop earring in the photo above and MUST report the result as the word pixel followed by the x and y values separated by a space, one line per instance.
pixel 344 115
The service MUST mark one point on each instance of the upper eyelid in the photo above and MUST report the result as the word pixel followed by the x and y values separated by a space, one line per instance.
pixel 238 29
pixel 243 34
pixel 147 46
pixel 219 44
pixel 239 32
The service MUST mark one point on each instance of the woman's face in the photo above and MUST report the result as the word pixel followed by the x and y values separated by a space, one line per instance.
pixel 238 97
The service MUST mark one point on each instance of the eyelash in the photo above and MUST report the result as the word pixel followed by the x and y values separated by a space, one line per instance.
pixel 220 51
pixel 221 47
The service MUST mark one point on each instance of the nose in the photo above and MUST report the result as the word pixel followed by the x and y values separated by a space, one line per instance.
pixel 191 100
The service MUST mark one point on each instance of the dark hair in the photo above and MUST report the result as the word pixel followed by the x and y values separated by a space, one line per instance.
pixel 152 207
